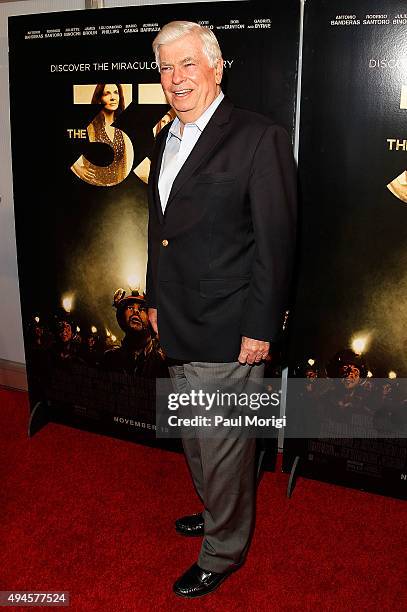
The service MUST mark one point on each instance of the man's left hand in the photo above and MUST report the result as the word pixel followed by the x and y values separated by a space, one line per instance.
pixel 253 351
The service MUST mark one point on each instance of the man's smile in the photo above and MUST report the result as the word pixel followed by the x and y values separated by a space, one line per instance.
pixel 182 92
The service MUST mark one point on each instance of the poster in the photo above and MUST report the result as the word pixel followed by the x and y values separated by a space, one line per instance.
pixel 350 316
pixel 86 104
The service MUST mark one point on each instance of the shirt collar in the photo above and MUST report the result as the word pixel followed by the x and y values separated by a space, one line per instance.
pixel 201 122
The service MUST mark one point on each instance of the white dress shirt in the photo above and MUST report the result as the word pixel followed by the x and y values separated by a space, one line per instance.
pixel 178 148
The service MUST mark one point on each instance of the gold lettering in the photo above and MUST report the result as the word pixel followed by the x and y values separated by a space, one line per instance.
pixel 73 133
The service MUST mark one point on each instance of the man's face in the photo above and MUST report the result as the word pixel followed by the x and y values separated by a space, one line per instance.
pixel 189 83
pixel 64 331
pixel 386 389
pixel 38 331
pixel 351 375
pixel 91 342
pixel 136 317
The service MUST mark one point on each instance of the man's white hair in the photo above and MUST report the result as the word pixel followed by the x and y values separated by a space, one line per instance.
pixel 177 29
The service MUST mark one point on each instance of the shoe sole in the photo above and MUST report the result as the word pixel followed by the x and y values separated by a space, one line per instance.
pixel 185 596
pixel 189 535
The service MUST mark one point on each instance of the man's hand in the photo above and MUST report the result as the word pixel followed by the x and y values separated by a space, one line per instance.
pixel 253 351
pixel 152 317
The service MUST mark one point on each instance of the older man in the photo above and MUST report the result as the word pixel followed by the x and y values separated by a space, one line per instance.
pixel 222 204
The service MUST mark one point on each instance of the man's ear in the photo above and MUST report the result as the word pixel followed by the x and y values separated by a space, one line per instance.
pixel 219 71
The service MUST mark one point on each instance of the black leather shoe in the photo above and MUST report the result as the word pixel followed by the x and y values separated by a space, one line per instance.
pixel 197 582
pixel 192 525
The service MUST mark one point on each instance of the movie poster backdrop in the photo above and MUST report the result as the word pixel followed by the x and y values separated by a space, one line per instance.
pixel 350 319
pixel 85 106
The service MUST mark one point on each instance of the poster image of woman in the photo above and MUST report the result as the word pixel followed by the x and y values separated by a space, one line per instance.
pixel 398 187
pixel 110 97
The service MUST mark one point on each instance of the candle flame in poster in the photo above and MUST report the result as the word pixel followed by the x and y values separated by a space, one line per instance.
pixel 360 343
pixel 67 302
pixel 133 282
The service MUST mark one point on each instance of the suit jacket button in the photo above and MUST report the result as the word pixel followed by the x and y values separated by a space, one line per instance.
pixel 165 243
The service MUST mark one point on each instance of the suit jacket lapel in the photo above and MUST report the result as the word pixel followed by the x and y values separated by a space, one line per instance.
pixel 208 140
pixel 156 166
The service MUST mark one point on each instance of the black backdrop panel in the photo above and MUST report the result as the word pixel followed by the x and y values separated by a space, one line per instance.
pixel 352 280
pixel 78 241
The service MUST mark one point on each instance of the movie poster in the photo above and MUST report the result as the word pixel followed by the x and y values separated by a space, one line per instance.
pixel 86 104
pixel 350 318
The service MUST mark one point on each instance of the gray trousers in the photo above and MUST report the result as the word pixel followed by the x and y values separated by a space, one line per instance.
pixel 223 470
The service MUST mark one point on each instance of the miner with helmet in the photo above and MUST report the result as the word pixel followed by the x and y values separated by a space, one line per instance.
pixel 65 348
pixel 139 352
pixel 348 365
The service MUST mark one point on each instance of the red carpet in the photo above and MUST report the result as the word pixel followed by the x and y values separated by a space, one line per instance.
pixel 93 515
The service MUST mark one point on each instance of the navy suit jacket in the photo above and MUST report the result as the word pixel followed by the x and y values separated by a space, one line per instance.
pixel 220 258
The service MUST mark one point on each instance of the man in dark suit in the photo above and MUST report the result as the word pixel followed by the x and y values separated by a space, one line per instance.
pixel 222 211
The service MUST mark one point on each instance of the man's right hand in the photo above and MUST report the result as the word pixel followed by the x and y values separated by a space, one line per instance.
pixel 152 317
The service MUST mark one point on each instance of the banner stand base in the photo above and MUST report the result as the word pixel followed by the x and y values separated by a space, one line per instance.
pixel 293 476
pixel 39 417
